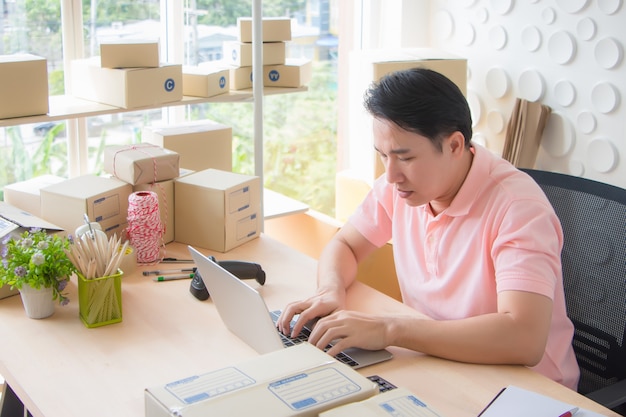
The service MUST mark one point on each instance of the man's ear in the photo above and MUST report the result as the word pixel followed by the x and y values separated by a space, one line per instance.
pixel 455 143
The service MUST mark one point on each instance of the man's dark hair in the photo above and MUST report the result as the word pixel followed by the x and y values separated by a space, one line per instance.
pixel 421 101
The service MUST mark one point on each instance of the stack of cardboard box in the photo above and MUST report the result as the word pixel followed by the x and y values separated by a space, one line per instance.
pixel 127 74
pixel 278 70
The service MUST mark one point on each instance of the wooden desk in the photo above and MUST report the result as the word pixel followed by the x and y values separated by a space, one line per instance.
pixel 60 368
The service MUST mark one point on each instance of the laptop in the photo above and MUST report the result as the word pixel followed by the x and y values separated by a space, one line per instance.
pixel 245 314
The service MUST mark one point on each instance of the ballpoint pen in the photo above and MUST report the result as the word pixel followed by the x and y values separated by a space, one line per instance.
pixel 172 277
pixel 169 271
pixel 570 413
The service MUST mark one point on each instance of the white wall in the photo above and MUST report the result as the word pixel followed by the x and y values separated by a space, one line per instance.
pixel 567 54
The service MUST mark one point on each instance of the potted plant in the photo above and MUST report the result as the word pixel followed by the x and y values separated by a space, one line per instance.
pixel 37 265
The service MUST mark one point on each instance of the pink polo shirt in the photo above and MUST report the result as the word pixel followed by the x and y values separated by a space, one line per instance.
pixel 499 233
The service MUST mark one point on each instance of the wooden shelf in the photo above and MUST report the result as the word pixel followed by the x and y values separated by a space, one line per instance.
pixel 69 107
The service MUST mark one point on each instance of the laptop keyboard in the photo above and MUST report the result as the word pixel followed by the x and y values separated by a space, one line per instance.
pixel 304 336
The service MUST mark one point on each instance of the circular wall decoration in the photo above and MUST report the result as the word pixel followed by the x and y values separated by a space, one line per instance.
pixel 531 85
pixel 497 82
pixel 608 53
pixel 572 6
pixel 602 155
pixel 548 15
pixel 604 97
pixel 531 38
pixel 586 28
pixel 501 6
pixel 475 107
pixel 480 139
pixel 498 37
pixel 576 167
pixel 561 47
pixel 496 121
pixel 466 34
pixel 586 122
pixel 609 6
pixel 558 136
pixel 565 93
pixel 444 25
pixel 482 15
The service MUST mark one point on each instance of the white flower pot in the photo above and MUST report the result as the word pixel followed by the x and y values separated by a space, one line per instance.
pixel 38 303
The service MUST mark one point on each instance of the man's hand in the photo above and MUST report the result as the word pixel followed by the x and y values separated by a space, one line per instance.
pixel 350 329
pixel 326 301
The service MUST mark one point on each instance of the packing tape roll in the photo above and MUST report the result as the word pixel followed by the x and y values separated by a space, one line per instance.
pixel 129 261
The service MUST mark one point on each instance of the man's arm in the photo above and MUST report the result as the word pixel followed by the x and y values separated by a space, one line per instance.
pixel 515 334
pixel 337 269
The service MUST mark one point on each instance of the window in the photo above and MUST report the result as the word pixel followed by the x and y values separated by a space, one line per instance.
pixel 299 129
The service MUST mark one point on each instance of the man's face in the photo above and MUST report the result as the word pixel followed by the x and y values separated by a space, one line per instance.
pixel 420 173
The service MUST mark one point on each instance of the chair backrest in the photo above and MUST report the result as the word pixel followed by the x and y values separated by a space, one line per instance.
pixel 593 217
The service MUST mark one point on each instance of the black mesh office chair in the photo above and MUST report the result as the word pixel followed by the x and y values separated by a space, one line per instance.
pixel 593 216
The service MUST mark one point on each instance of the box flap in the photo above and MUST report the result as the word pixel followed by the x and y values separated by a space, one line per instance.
pixel 24 219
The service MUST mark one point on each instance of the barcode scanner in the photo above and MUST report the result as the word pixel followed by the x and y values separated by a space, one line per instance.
pixel 240 269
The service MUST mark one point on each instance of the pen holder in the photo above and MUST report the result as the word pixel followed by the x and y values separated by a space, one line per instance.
pixel 100 299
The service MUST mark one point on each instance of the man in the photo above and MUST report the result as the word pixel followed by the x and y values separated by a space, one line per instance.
pixel 476 243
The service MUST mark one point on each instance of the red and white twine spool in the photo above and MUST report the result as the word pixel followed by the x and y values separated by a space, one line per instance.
pixel 145 230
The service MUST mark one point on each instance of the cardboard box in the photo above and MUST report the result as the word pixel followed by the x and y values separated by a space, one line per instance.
pixel 200 145
pixel 240 53
pixel 127 88
pixel 275 29
pixel 240 78
pixel 217 210
pixel 350 190
pixel 129 54
pixel 103 200
pixel 142 163
pixel 294 73
pixel 23 85
pixel 26 195
pixel 368 66
pixel 205 81
pixel 297 381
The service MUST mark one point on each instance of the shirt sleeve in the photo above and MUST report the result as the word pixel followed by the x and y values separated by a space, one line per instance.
pixel 372 218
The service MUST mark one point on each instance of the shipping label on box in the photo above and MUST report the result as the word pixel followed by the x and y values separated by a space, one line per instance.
pixel 205 81
pixel 142 163
pixel 103 200
pixel 240 53
pixel 127 88
pixel 201 145
pixel 216 209
pixel 275 29
pixel 298 381
pixel 129 54
pixel 294 73
pixel 23 85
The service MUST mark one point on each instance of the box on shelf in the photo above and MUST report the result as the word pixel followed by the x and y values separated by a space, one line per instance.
pixel 141 164
pixel 127 88
pixel 240 78
pixel 205 81
pixel 200 145
pixel 26 195
pixel 298 381
pixel 294 73
pixel 129 54
pixel 23 85
pixel 103 200
pixel 275 29
pixel 217 210
pixel 240 53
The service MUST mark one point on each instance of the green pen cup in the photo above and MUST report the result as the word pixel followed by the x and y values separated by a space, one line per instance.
pixel 100 300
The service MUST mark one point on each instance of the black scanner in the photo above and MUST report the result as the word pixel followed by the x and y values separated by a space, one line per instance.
pixel 240 269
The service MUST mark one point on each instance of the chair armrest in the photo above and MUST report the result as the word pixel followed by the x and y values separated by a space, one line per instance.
pixel 610 396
